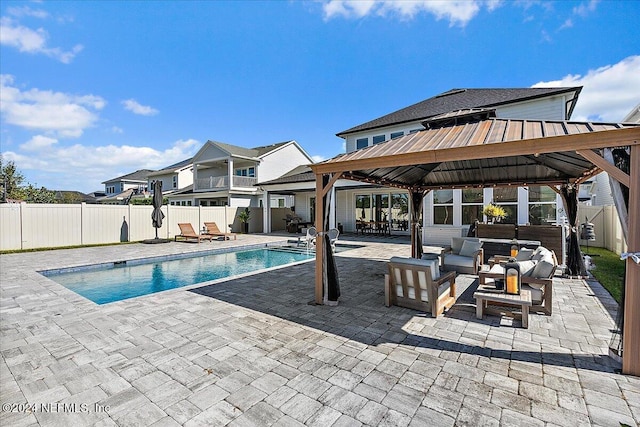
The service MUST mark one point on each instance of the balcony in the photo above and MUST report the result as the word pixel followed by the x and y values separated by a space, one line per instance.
pixel 217 183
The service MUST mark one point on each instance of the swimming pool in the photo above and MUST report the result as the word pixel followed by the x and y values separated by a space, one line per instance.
pixel 111 282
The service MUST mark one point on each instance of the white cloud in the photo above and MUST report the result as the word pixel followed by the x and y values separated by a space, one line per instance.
pixel 38 142
pixel 84 168
pixel 136 108
pixel 33 41
pixel 457 12
pixel 62 114
pixel 27 11
pixel 318 158
pixel 584 9
pixel 608 93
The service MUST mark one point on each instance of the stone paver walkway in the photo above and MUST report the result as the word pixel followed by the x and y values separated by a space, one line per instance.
pixel 252 351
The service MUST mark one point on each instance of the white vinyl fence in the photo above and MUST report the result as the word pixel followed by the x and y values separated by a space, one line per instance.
pixel 606 225
pixel 30 226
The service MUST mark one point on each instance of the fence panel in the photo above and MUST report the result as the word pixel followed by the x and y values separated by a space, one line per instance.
pixel 141 225
pixel 217 214
pixel 50 225
pixel 105 224
pixel 180 214
pixel 10 227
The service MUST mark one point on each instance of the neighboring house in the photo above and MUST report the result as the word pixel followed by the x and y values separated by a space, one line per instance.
pixel 597 191
pixel 120 190
pixel 446 212
pixel 228 175
pixel 174 178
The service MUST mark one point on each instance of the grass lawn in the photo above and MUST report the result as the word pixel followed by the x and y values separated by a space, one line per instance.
pixel 609 270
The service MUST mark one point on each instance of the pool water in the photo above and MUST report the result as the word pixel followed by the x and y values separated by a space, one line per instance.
pixel 119 281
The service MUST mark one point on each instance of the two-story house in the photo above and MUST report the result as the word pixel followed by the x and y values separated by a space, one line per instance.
pixel 228 175
pixel 446 212
pixel 121 189
pixel 174 177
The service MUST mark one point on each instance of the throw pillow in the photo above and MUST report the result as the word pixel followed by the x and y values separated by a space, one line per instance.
pixel 543 270
pixel 526 267
pixel 469 248
pixel 456 245
pixel 524 254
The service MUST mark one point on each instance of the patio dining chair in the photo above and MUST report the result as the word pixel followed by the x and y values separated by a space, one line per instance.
pixel 312 233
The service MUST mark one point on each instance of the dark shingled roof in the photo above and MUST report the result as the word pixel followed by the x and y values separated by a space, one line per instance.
pixel 174 166
pixel 139 175
pixel 300 174
pixel 248 152
pixel 458 99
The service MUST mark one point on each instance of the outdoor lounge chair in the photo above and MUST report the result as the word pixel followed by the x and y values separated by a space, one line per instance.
pixel 310 238
pixel 418 284
pixel 187 232
pixel 213 230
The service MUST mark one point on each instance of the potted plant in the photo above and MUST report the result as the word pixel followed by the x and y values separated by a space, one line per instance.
pixel 494 212
pixel 244 217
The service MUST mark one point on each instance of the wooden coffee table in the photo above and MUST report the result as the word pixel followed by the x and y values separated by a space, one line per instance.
pixel 487 294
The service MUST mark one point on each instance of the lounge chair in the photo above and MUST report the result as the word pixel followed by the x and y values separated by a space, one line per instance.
pixel 187 232
pixel 213 230
pixel 333 237
pixel 420 285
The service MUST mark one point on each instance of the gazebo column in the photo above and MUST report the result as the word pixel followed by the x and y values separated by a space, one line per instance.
pixel 321 192
pixel 631 330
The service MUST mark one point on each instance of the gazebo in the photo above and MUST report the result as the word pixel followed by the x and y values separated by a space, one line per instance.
pixel 472 148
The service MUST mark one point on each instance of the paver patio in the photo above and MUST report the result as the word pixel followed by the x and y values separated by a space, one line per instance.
pixel 252 351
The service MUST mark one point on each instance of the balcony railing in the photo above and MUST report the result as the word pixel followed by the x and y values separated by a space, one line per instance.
pixel 222 182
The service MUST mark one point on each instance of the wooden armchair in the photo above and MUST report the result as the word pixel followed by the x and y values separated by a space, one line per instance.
pixel 419 285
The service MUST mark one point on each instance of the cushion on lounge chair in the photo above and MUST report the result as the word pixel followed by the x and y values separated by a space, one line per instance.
pixel 459 261
pixel 543 270
pixel 469 248
pixel 457 242
pixel 524 254
pixel 526 267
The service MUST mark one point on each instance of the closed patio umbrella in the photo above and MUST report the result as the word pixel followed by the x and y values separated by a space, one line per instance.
pixel 157 215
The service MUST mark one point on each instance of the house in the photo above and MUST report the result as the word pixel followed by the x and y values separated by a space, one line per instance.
pixel 446 213
pixel 229 175
pixel 597 191
pixel 120 190
pixel 174 177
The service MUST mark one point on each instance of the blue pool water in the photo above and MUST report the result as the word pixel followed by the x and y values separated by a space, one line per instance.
pixel 115 282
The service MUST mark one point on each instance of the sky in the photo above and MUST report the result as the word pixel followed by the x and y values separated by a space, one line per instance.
pixel 92 90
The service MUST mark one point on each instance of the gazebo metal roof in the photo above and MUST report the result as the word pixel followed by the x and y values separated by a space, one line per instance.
pixel 480 153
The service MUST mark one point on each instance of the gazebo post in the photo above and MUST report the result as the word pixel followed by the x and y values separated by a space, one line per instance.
pixel 319 241
pixel 631 329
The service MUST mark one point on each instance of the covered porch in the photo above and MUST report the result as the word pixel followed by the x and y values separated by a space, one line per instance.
pixel 474 149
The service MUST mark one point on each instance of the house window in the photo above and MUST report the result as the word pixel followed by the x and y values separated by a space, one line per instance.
pixel 396 134
pixel 400 211
pixel 472 201
pixel 443 207
pixel 507 197
pixel 361 143
pixel 174 180
pixel 414 130
pixel 250 172
pixel 378 139
pixel 281 203
pixel 381 207
pixel 542 205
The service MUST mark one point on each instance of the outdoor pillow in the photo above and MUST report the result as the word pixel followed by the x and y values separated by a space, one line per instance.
pixel 524 254
pixel 456 244
pixel 543 270
pixel 526 267
pixel 469 248
pixel 539 253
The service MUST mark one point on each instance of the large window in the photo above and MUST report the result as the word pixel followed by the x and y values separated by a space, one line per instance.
pixel 361 143
pixel 443 207
pixel 542 205
pixel 363 207
pixel 472 201
pixel 378 139
pixel 507 197
pixel 381 207
pixel 400 211
pixel 396 134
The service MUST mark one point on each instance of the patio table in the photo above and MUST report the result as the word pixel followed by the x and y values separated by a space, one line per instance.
pixel 487 294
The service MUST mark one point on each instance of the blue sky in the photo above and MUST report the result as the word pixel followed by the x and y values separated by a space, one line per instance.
pixel 92 90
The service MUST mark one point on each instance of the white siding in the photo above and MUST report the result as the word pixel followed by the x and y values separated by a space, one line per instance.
pixel 185 178
pixel 209 152
pixel 281 161
pixel 552 108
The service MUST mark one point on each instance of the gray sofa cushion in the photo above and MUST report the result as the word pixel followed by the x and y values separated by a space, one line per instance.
pixel 524 254
pixel 469 248
pixel 543 270
pixel 458 260
pixel 526 267
pixel 457 242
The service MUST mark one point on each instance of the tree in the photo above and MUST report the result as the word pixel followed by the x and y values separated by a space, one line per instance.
pixel 11 179
pixel 12 186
